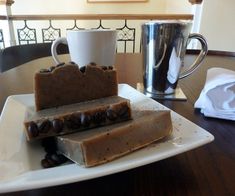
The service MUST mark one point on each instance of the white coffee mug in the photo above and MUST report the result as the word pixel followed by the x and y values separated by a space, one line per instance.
pixel 86 46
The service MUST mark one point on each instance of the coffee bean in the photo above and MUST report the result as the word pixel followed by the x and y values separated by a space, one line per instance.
pixel 53 160
pixel 51 163
pixel 104 67
pixel 125 115
pixel 45 126
pixel 51 68
pixel 83 69
pixel 48 142
pixel 33 129
pixel 50 149
pixel 48 155
pixel 49 145
pixel 58 158
pixel 85 120
pixel 44 71
pixel 99 117
pixel 93 63
pixel 53 157
pixel 62 158
pixel 123 112
pixel 48 163
pixel 73 121
pixel 111 114
pixel 60 64
pixel 45 163
pixel 58 125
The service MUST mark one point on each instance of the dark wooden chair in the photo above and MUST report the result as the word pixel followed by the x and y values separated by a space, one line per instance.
pixel 14 56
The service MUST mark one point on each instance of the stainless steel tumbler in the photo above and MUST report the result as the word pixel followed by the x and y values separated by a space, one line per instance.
pixel 164 45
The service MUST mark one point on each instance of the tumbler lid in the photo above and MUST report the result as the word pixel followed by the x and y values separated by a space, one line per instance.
pixel 160 22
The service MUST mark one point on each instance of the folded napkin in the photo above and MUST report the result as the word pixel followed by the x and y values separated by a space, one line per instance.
pixel 217 98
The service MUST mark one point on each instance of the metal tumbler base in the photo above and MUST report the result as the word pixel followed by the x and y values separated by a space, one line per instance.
pixel 178 95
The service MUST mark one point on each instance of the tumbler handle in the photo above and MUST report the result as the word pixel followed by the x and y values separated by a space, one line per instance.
pixel 199 58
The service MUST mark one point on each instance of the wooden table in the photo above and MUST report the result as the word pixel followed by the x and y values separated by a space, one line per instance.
pixel 207 170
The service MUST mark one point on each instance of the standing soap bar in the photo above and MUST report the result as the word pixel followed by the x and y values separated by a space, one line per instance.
pixel 67 84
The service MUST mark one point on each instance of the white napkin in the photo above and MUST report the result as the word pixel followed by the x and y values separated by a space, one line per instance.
pixel 217 98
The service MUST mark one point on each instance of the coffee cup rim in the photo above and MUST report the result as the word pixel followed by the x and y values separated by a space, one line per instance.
pixel 92 30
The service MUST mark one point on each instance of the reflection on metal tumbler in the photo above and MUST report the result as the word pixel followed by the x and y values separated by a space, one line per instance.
pixel 164 45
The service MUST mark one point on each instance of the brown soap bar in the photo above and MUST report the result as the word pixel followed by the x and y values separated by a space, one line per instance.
pixel 76 117
pixel 67 84
pixel 104 144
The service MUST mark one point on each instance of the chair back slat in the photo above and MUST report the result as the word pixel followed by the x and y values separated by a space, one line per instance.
pixel 14 56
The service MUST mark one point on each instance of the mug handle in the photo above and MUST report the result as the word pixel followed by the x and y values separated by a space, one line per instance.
pixel 60 40
pixel 200 57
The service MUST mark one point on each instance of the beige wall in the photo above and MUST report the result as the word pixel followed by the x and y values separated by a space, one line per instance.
pixel 178 6
pixel 81 7
pixel 217 24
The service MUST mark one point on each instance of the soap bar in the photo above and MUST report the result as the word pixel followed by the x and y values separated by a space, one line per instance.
pixel 76 117
pixel 67 84
pixel 104 144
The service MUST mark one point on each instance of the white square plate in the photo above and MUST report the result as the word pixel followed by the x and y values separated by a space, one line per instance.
pixel 20 161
